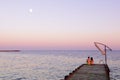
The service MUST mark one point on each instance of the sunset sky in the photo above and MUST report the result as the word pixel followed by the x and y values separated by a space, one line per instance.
pixel 59 24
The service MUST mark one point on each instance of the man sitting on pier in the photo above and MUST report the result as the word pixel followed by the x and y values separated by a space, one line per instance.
pixel 88 61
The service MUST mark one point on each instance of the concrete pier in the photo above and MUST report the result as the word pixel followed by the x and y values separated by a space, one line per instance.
pixel 89 72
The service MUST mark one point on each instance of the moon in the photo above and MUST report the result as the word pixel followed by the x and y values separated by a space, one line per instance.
pixel 30 10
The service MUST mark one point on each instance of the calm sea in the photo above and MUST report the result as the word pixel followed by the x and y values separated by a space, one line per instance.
pixel 51 64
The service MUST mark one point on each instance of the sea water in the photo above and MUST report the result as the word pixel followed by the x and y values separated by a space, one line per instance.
pixel 52 64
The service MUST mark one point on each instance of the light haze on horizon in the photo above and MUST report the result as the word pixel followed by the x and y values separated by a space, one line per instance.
pixel 59 24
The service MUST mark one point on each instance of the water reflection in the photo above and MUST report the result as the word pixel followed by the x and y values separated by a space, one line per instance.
pixel 30 65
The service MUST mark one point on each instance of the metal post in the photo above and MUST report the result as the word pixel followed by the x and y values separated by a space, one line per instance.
pixel 105 55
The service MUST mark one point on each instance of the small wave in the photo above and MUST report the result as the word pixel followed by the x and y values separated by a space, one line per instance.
pixel 20 78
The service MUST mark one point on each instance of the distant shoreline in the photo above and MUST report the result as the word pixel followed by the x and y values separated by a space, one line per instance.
pixel 9 50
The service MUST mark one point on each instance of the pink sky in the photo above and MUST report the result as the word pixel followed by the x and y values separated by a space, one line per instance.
pixel 60 24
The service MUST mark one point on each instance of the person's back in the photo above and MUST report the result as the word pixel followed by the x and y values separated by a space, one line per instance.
pixel 91 61
pixel 88 61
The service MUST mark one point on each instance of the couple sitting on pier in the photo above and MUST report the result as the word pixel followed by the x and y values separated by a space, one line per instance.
pixel 90 61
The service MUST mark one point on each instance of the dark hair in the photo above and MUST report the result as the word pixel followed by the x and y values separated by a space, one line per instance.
pixel 91 58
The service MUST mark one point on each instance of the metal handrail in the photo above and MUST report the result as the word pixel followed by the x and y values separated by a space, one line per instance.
pixel 103 51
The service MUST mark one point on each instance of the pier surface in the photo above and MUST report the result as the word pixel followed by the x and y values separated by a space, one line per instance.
pixel 90 72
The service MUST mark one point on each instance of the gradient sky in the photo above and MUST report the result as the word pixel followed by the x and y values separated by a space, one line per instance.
pixel 59 24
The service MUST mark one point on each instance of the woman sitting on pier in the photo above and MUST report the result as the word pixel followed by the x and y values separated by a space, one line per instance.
pixel 91 61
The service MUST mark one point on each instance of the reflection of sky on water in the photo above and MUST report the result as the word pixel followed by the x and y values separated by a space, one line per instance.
pixel 30 66
pixel 50 66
